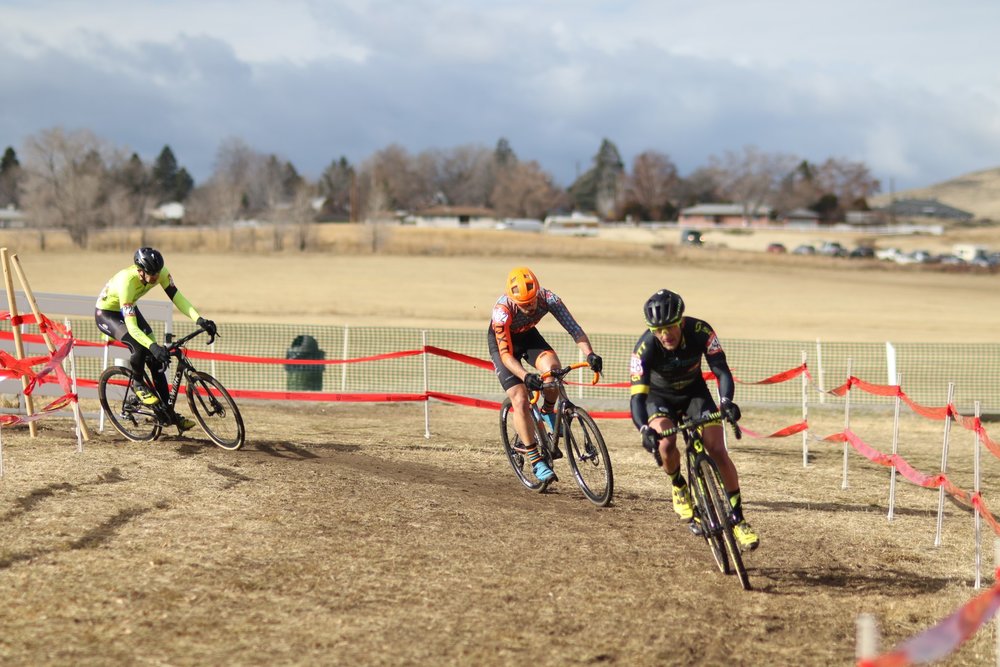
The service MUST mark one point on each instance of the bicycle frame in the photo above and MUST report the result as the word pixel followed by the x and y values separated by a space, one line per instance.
pixel 564 408
pixel 713 519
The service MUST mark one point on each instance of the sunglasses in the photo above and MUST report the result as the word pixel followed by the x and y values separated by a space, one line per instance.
pixel 665 328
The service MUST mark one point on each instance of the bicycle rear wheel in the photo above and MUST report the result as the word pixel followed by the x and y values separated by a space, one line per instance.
pixel 215 410
pixel 706 513
pixel 713 483
pixel 517 452
pixel 588 457
pixel 127 414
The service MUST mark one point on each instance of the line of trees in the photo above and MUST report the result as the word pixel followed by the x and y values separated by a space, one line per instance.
pixel 80 182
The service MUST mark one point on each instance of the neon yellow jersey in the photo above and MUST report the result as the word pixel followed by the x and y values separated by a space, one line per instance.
pixel 125 288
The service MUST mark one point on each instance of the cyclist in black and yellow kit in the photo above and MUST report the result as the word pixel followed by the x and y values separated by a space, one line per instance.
pixel 667 385
pixel 118 316
pixel 513 337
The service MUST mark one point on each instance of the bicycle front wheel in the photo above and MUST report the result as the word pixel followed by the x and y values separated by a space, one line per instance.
pixel 706 513
pixel 516 451
pixel 127 414
pixel 588 457
pixel 713 483
pixel 215 410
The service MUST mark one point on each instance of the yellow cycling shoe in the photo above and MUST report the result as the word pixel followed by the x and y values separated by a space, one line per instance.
pixel 682 502
pixel 746 536
pixel 145 396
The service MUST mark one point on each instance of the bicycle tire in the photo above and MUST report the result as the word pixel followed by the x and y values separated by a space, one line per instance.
pixel 514 450
pixel 707 514
pixel 215 410
pixel 588 457
pixel 135 421
pixel 713 482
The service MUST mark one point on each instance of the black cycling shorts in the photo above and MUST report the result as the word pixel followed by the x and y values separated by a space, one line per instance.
pixel 527 346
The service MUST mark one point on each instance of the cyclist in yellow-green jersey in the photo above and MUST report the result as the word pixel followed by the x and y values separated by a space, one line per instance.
pixel 118 316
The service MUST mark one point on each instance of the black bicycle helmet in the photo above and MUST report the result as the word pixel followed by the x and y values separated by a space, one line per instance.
pixel 149 260
pixel 663 309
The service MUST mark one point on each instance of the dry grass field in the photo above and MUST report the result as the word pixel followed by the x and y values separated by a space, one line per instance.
pixel 341 535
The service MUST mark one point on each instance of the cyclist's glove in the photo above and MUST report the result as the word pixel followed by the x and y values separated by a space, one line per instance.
pixel 159 353
pixel 207 325
pixel 595 362
pixel 650 439
pixel 730 411
pixel 533 381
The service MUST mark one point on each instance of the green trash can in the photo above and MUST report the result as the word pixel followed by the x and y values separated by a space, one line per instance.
pixel 305 377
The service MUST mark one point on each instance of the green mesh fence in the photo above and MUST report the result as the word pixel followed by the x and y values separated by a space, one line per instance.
pixel 925 369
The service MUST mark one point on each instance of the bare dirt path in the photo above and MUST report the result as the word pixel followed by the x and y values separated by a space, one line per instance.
pixel 341 535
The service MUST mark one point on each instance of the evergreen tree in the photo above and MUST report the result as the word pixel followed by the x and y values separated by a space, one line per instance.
pixel 10 179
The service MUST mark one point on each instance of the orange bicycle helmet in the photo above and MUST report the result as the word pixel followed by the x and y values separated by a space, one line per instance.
pixel 522 286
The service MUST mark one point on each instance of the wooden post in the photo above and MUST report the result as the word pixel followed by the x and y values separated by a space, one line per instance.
pixel 29 404
pixel 81 425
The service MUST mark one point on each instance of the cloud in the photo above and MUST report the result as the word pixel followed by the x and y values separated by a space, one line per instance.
pixel 898 86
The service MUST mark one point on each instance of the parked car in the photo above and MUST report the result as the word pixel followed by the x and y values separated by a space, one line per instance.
pixel 804 249
pixel 776 248
pixel 863 252
pixel 832 249
pixel 889 254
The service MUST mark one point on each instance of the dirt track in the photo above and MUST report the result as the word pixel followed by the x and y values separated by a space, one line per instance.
pixel 341 535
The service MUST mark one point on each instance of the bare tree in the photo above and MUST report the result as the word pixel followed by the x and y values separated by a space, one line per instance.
pixel 752 177
pixel 65 181
pixel 464 175
pixel 524 190
pixel 653 184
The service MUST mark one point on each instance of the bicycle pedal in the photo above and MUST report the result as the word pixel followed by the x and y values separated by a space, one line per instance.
pixel 695 528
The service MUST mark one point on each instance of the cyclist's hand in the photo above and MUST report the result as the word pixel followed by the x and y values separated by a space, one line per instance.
pixel 595 362
pixel 533 381
pixel 650 439
pixel 730 411
pixel 159 353
pixel 207 325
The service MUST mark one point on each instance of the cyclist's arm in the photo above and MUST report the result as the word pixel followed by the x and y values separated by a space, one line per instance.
pixel 720 367
pixel 501 330
pixel 166 281
pixel 559 310
pixel 638 372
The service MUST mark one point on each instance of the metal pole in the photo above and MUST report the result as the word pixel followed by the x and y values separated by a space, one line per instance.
pixel 976 518
pixel 895 449
pixel 343 357
pixel 427 400
pixel 944 464
pixel 847 422
pixel 805 415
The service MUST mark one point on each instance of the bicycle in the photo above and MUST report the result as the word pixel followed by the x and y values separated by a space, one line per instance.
pixel 586 452
pixel 713 516
pixel 210 403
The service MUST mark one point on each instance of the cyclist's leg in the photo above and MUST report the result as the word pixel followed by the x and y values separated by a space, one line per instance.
pixel 112 323
pixel 540 354
pixel 662 416
pixel 524 423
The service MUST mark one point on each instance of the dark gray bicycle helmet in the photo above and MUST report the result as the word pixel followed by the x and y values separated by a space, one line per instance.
pixel 663 309
pixel 149 260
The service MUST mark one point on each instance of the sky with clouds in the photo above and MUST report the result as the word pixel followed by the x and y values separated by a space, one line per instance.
pixel 909 87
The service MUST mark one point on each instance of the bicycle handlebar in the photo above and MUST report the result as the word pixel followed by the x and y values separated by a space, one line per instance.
pixel 701 421
pixel 176 345
pixel 559 373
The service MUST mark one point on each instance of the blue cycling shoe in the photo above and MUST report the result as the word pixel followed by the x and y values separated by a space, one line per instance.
pixel 550 421
pixel 543 473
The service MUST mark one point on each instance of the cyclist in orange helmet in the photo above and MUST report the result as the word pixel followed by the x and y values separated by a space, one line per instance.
pixel 513 338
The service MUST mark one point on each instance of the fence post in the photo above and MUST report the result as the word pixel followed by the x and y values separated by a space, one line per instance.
pixel 944 463
pixel 866 637
pixel 847 421
pixel 890 361
pixel 427 400
pixel 343 357
pixel 819 373
pixel 805 413
pixel 895 449
pixel 977 519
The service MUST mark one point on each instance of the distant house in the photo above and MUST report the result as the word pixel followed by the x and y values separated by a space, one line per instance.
pixel 463 217
pixel 723 215
pixel 11 217
pixel 800 217
pixel 925 208
pixel 170 212
pixel 574 224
